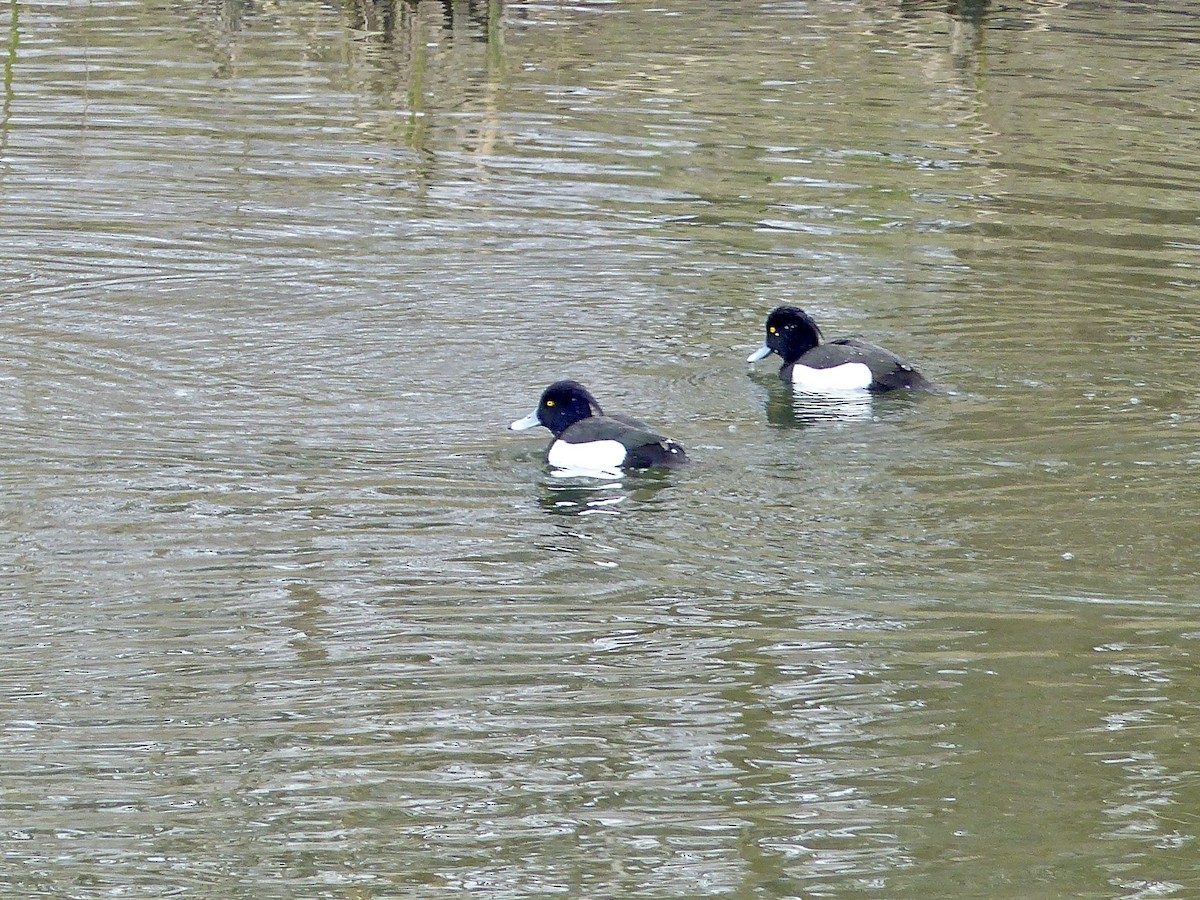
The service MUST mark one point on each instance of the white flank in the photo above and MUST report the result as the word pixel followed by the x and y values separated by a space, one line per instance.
pixel 598 457
pixel 851 376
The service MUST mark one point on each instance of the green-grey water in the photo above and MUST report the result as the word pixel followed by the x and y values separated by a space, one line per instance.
pixel 287 612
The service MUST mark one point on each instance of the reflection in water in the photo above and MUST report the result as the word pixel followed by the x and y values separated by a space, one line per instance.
pixel 233 13
pixel 567 495
pixel 307 619
pixel 967 34
pixel 972 11
pixel 787 407
pixel 386 18
pixel 580 498
pixel 10 62
pixel 421 59
pixel 404 40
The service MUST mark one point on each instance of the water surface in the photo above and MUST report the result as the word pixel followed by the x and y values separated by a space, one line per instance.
pixel 287 612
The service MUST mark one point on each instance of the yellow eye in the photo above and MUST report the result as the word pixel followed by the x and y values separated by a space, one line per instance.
pixel 549 402
pixel 771 329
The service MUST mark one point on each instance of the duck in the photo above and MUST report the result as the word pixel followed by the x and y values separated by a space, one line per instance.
pixel 588 439
pixel 834 367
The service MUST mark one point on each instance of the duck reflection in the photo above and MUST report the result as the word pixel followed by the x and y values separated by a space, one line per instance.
pixel 575 496
pixel 787 407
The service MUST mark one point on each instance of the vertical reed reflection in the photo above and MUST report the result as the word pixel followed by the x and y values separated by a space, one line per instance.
pixel 10 64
